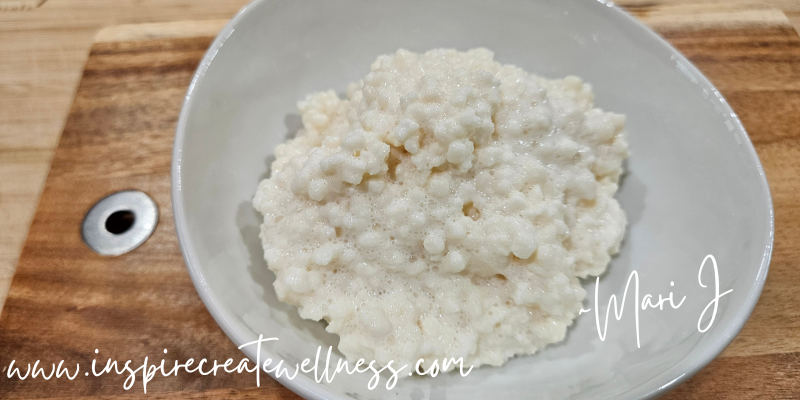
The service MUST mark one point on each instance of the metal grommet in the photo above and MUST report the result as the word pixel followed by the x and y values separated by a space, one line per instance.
pixel 120 222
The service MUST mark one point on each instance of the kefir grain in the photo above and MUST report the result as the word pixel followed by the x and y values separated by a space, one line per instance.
pixel 445 208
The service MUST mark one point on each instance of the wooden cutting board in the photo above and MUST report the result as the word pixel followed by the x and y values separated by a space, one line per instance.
pixel 66 301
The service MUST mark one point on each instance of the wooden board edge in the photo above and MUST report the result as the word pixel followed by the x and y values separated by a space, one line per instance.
pixel 160 30
pixel 663 18
pixel 709 16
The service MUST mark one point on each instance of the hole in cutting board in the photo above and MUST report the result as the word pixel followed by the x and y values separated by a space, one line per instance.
pixel 120 222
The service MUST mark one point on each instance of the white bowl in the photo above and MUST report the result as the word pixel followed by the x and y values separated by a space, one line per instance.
pixel 694 184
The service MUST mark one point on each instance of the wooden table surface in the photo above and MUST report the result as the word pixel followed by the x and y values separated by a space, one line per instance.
pixel 45 50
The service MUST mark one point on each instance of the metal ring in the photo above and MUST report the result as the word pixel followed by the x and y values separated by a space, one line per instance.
pixel 131 216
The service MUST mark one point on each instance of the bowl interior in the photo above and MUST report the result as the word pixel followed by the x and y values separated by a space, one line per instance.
pixel 693 187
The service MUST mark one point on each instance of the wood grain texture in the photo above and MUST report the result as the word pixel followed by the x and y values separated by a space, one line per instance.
pixel 44 47
pixel 43 52
pixel 692 17
pixel 66 301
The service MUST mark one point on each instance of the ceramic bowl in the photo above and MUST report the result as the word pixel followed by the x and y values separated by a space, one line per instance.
pixel 694 185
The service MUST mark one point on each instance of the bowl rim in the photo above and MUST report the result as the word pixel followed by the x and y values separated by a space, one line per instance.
pixel 308 388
